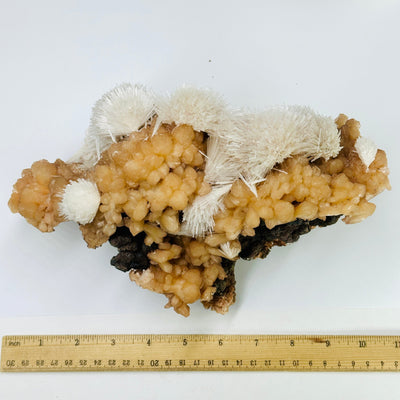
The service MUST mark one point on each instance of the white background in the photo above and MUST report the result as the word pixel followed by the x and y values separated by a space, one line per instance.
pixel 58 58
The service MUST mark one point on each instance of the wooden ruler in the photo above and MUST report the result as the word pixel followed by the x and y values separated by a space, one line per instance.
pixel 200 353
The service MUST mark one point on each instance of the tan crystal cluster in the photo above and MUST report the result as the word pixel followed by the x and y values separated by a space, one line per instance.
pixel 37 194
pixel 146 181
pixel 298 188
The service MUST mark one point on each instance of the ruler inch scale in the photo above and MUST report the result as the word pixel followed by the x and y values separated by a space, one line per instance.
pixel 200 352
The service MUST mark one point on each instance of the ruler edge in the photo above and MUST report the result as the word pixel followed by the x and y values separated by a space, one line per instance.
pixel 220 335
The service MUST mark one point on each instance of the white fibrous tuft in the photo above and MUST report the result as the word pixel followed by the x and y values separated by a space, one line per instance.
pixel 325 140
pixel 119 112
pixel 266 141
pixel 366 150
pixel 122 110
pixel 280 132
pixel 198 218
pixel 221 168
pixel 90 152
pixel 80 201
pixel 230 250
pixel 203 109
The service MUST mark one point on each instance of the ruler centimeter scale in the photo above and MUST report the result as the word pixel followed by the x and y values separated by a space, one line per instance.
pixel 166 352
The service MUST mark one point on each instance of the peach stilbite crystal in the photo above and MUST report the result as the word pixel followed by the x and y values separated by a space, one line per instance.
pixel 177 229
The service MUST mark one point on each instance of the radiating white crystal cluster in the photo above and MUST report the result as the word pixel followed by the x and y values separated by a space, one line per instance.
pixel 80 201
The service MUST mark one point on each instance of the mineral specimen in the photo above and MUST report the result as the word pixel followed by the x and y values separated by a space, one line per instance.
pixel 183 186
